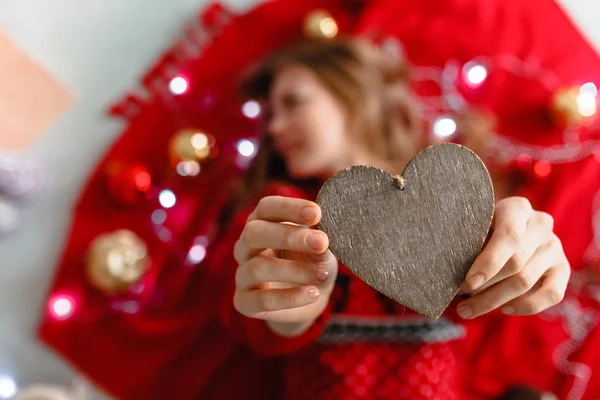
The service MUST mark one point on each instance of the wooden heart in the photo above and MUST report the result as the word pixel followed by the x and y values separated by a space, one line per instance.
pixel 411 237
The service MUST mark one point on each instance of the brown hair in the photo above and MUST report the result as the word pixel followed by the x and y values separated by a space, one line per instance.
pixel 371 84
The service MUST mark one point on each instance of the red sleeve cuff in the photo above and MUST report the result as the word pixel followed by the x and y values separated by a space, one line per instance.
pixel 257 335
pixel 266 342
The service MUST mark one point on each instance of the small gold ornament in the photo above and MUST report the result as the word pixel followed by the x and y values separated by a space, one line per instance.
pixel 567 106
pixel 116 260
pixel 319 24
pixel 189 146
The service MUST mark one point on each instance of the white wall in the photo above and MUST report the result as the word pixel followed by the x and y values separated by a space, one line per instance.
pixel 97 48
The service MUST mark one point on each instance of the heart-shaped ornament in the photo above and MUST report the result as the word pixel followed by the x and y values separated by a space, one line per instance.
pixel 412 237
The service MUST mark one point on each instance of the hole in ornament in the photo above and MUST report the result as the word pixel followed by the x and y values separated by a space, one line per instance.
pixel 399 181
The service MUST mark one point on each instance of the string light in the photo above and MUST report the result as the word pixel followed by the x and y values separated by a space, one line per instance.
pixel 178 85
pixel 8 387
pixel 199 141
pixel 196 254
pixel 587 105
pixel 188 168
pixel 329 27
pixel 542 168
pixel 444 127
pixel 589 89
pixel 142 178
pixel 586 99
pixel 61 307
pixel 251 109
pixel 475 73
pixel 167 198
pixel 159 217
pixel 246 148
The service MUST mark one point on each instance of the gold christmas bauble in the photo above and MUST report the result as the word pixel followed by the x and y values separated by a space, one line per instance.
pixel 565 106
pixel 319 24
pixel 189 146
pixel 116 260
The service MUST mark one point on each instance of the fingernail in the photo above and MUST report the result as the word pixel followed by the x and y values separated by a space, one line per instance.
pixel 313 293
pixel 509 310
pixel 322 274
pixel 308 213
pixel 465 311
pixel 315 241
pixel 475 281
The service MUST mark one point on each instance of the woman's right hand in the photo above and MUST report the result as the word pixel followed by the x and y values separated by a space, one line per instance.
pixel 285 272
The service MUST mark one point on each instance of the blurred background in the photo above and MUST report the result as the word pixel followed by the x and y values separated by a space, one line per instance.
pixel 91 53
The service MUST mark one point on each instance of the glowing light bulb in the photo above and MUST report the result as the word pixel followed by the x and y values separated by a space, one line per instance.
pixel 61 307
pixel 542 168
pixel 178 85
pixel 328 27
pixel 251 109
pixel 444 127
pixel 199 141
pixel 196 254
pixel 188 168
pixel 159 217
pixel 246 148
pixel 589 89
pixel 586 104
pixel 475 73
pixel 8 387
pixel 167 198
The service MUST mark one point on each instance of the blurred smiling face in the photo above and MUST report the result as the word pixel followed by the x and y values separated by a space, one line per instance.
pixel 307 124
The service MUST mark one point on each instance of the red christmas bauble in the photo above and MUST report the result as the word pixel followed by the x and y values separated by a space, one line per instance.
pixel 127 183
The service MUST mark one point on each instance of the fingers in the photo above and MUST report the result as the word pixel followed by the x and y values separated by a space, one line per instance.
pixel 548 294
pixel 262 269
pixel 539 233
pixel 260 303
pixel 259 235
pixel 510 288
pixel 510 227
pixel 286 209
pixel 262 228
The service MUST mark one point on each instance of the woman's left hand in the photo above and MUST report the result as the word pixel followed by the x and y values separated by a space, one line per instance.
pixel 522 269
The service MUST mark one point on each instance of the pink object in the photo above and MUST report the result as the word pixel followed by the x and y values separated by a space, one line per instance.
pixel 30 98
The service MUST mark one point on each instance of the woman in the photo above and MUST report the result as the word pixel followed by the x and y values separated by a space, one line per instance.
pixel 330 105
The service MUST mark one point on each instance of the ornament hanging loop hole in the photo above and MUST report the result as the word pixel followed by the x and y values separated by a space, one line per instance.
pixel 399 181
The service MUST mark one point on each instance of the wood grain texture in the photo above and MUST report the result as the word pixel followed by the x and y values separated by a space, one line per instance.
pixel 417 244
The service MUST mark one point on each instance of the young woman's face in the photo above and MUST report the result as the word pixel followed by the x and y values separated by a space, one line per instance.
pixel 307 124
